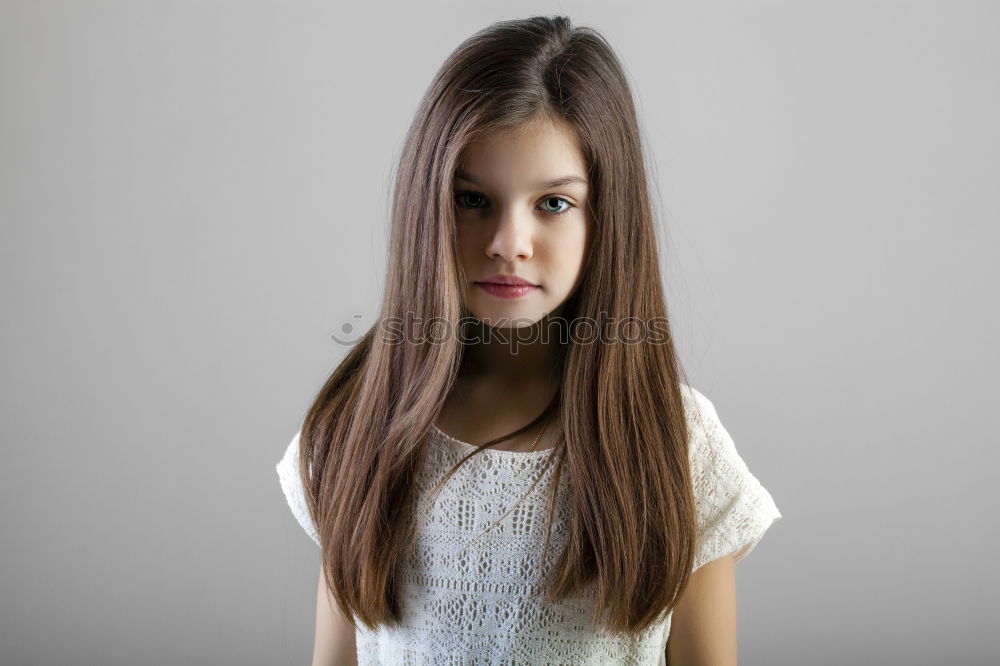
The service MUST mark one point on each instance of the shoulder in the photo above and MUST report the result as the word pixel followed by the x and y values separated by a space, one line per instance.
pixel 290 480
pixel 710 447
pixel 696 404
pixel 701 417
pixel 734 509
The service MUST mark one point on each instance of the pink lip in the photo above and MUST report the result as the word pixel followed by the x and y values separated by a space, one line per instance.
pixel 505 285
pixel 507 290
pixel 504 278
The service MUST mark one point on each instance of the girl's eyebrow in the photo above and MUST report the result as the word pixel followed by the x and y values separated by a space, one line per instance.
pixel 556 182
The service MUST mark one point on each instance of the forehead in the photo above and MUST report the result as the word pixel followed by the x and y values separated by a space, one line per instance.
pixel 528 154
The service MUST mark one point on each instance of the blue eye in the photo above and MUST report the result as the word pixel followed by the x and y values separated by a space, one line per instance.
pixel 462 201
pixel 560 200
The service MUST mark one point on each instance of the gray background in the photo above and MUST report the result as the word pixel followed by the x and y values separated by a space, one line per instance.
pixel 194 198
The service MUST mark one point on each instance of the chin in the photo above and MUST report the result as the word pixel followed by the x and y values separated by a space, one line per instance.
pixel 509 317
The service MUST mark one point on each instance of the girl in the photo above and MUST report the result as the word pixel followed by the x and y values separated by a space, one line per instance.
pixel 509 467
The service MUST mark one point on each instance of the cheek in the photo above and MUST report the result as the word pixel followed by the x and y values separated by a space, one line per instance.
pixel 466 244
pixel 573 246
pixel 564 254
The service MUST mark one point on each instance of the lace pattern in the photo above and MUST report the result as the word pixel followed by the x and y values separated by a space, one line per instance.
pixel 470 588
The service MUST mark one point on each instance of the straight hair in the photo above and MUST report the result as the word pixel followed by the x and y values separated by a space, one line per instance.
pixel 623 437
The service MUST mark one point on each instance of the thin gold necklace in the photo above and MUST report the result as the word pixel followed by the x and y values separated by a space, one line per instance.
pixel 539 436
pixel 499 520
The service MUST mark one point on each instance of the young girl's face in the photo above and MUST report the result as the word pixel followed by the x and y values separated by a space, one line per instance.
pixel 512 219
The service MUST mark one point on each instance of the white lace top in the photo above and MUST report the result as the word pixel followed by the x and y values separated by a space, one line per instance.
pixel 467 585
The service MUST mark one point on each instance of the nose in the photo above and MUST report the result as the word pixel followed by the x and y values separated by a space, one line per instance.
pixel 512 237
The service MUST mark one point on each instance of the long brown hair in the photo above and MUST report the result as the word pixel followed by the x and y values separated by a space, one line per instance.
pixel 623 436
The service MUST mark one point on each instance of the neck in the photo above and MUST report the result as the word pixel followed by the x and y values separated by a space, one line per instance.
pixel 512 355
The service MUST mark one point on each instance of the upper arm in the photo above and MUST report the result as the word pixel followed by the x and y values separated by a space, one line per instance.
pixel 335 640
pixel 334 644
pixel 703 623
pixel 291 485
pixel 733 508
pixel 733 511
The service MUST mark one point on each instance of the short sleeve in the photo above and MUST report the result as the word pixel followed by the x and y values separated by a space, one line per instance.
pixel 291 485
pixel 733 509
